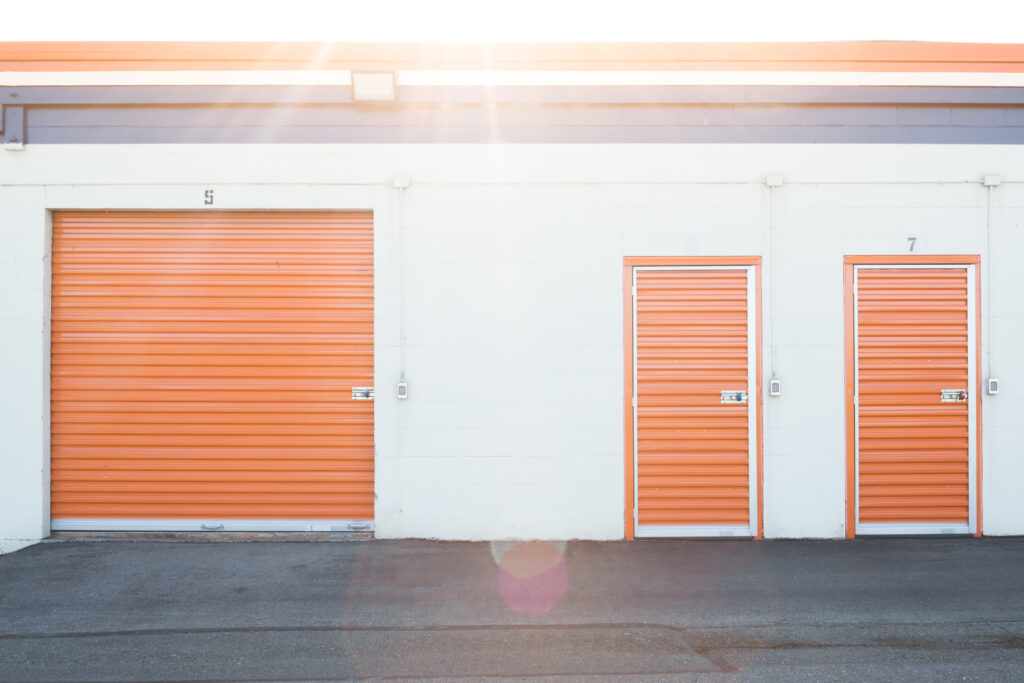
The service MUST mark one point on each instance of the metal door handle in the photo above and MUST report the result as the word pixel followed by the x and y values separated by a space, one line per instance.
pixel 734 397
pixel 362 393
pixel 953 395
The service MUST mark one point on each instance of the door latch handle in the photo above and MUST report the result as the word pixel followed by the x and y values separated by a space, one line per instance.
pixel 953 396
pixel 362 393
pixel 734 397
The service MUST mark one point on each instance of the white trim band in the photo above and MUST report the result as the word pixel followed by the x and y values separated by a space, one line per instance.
pixel 240 77
pixel 491 78
pixel 648 78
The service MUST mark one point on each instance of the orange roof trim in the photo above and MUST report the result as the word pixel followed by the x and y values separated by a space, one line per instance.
pixel 876 56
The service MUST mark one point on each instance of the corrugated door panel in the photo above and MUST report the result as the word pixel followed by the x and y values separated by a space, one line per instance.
pixel 203 365
pixel 692 450
pixel 912 342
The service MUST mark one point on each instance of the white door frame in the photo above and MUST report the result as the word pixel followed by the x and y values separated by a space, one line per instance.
pixel 248 199
pixel 704 531
pixel 913 528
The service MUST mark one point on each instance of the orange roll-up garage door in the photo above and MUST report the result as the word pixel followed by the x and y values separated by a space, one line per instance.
pixel 915 398
pixel 203 367
pixel 694 422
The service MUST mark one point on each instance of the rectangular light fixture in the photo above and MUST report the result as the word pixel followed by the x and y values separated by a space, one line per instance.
pixel 373 86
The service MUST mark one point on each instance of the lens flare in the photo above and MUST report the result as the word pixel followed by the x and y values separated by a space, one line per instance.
pixel 532 575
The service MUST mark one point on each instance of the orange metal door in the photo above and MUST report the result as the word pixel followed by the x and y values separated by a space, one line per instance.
pixel 694 422
pixel 202 371
pixel 915 408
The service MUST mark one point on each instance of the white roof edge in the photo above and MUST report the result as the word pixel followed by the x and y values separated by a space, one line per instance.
pixel 499 78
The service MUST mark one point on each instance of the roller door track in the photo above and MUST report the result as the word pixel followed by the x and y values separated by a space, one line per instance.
pixel 696 399
pixel 203 367
pixel 915 399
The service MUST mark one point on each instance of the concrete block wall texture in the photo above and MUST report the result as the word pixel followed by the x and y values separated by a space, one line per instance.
pixel 24 367
pixel 514 327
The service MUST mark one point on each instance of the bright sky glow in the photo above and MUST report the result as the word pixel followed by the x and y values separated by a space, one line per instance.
pixel 991 21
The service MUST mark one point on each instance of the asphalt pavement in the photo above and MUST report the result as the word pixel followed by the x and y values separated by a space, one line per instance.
pixel 894 609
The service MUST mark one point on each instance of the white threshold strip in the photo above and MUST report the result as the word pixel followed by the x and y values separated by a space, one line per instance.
pixel 211 525
pixel 913 529
pixel 491 78
pixel 732 531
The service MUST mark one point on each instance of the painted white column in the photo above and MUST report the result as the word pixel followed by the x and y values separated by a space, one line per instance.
pixel 24 368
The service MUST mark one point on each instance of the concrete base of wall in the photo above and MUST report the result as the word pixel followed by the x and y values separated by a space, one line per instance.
pixel 10 545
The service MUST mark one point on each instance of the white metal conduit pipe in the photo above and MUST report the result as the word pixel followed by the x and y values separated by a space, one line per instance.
pixel 774 383
pixel 402 184
pixel 989 182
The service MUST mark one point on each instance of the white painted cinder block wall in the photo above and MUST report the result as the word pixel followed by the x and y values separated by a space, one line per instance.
pixel 24 368
pixel 514 357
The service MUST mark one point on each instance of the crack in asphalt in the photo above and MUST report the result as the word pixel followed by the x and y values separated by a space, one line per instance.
pixel 456 677
pixel 711 643
pixel 330 629
pixel 1016 640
